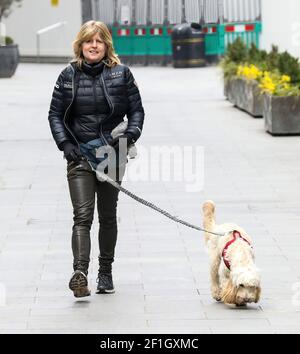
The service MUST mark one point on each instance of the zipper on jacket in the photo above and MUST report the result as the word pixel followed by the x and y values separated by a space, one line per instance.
pixel 102 135
pixel 111 107
pixel 95 94
pixel 95 99
pixel 108 99
pixel 65 115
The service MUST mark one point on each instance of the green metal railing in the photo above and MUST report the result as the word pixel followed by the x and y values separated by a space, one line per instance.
pixel 142 40
pixel 155 41
pixel 219 35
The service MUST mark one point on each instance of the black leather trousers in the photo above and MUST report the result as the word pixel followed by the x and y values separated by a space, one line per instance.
pixel 83 186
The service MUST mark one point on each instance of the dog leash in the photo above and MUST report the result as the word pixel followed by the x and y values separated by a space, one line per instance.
pixel 104 178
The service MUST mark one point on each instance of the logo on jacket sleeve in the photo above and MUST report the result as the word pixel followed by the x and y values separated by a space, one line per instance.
pixel 68 85
pixel 116 74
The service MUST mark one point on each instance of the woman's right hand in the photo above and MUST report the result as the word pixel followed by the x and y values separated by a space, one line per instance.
pixel 71 152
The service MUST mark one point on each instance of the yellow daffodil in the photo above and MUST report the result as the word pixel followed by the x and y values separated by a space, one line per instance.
pixel 249 72
pixel 272 83
pixel 285 78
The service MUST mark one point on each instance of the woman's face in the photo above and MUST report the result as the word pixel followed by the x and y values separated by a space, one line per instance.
pixel 93 49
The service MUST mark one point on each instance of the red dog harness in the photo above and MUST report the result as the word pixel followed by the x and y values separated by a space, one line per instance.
pixel 236 235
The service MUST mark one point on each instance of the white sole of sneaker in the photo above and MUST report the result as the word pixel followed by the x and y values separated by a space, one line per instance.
pixel 105 291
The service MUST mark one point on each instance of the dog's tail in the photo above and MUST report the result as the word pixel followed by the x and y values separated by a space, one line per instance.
pixel 208 209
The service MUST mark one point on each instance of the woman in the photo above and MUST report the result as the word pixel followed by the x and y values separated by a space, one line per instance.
pixel 90 99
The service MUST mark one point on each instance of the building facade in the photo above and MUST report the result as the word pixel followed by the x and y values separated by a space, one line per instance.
pixel 280 20
pixel 24 23
pixel 281 25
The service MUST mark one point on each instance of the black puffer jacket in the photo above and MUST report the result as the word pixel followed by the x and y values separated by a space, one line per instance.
pixel 90 106
pixel 121 93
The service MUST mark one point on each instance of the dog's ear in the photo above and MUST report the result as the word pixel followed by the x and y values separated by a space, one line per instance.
pixel 229 293
pixel 258 292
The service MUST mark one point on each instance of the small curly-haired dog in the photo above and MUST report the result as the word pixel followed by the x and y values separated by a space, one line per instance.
pixel 234 276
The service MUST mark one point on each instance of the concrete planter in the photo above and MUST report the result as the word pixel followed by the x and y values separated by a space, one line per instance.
pixel 227 88
pixel 245 95
pixel 282 115
pixel 9 60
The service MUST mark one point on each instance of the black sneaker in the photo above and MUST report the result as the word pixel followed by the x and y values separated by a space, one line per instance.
pixel 105 284
pixel 79 284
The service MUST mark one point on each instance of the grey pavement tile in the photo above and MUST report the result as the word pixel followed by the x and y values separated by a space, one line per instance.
pixel 40 331
pixel 220 311
pixel 145 235
pixel 22 301
pixel 169 282
pixel 105 323
pixel 164 305
pixel 157 290
pixel 154 260
pixel 241 326
pixel 126 253
pixel 42 247
pixel 16 290
pixel 177 326
pixel 14 331
pixel 29 281
pixel 285 318
pixel 41 325
pixel 155 251
pixel 130 290
pixel 62 257
pixel 12 312
pixel 52 292
pixel 92 330
pixel 56 277
pixel 18 326
pixel 96 308
pixel 286 329
pixel 134 330
pixel 168 271
pixel 176 315
pixel 43 311
pixel 8 265
pixel 128 279
pixel 165 281
pixel 268 250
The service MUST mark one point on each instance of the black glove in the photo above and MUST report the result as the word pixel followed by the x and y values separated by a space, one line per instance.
pixel 116 141
pixel 71 152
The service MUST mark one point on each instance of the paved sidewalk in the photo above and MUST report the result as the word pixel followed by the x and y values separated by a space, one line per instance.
pixel 161 268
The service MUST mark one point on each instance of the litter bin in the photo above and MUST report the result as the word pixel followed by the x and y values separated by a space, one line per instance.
pixel 188 46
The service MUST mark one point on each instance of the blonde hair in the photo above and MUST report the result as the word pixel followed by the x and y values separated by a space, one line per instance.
pixel 87 31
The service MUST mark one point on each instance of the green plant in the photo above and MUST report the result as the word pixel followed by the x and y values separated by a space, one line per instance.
pixel 237 51
pixel 229 69
pixel 277 73
pixel 289 65
pixel 272 59
pixel 256 56
pixel 8 40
